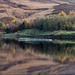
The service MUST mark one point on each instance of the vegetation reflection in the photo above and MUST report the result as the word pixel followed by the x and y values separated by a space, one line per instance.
pixel 54 50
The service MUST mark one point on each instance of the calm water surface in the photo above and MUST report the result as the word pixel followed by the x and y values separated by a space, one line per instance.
pixel 53 50
pixel 11 51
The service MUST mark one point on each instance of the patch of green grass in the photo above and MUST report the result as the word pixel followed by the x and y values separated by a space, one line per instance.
pixel 63 32
pixel 37 32
pixel 34 32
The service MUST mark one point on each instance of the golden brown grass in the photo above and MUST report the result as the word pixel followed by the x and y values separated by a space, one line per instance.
pixel 20 9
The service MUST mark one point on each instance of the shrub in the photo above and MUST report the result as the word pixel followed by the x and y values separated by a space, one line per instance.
pixel 71 13
pixel 62 13
pixel 27 23
pixel 52 23
pixel 55 23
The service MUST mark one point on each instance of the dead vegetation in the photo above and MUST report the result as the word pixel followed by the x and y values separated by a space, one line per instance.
pixel 20 9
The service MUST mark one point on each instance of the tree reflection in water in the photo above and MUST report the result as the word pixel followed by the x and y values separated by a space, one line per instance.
pixel 61 52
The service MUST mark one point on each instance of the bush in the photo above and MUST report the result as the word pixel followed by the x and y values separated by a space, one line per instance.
pixel 71 13
pixel 55 23
pixel 62 13
pixel 52 23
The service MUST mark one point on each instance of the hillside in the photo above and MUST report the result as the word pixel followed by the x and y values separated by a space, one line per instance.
pixel 20 9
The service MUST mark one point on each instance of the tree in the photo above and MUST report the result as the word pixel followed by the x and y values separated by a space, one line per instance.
pixel 0 25
pixel 71 13
pixel 62 13
pixel 22 26
pixel 62 59
pixel 13 21
pixel 7 30
pixel 72 59
pixel 69 25
pixel 27 23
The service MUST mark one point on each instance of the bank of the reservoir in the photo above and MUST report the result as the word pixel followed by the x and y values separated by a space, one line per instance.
pixel 35 33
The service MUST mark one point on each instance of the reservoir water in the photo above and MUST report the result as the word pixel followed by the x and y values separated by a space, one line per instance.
pixel 36 57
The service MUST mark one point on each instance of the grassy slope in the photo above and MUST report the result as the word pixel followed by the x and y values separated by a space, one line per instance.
pixel 34 32
pixel 33 8
pixel 63 32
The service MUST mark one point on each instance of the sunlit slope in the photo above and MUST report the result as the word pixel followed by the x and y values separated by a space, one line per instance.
pixel 20 9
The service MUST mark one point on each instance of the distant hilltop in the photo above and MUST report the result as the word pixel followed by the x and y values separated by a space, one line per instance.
pixel 20 9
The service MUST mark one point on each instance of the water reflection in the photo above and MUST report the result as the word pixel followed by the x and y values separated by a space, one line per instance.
pixel 61 52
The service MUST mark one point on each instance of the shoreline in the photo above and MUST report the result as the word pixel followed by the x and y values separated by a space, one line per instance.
pixel 36 33
pixel 59 37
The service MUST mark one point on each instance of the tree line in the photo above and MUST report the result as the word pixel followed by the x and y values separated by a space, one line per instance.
pixel 61 21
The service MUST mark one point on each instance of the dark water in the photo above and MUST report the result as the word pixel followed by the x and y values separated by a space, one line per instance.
pixel 59 52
